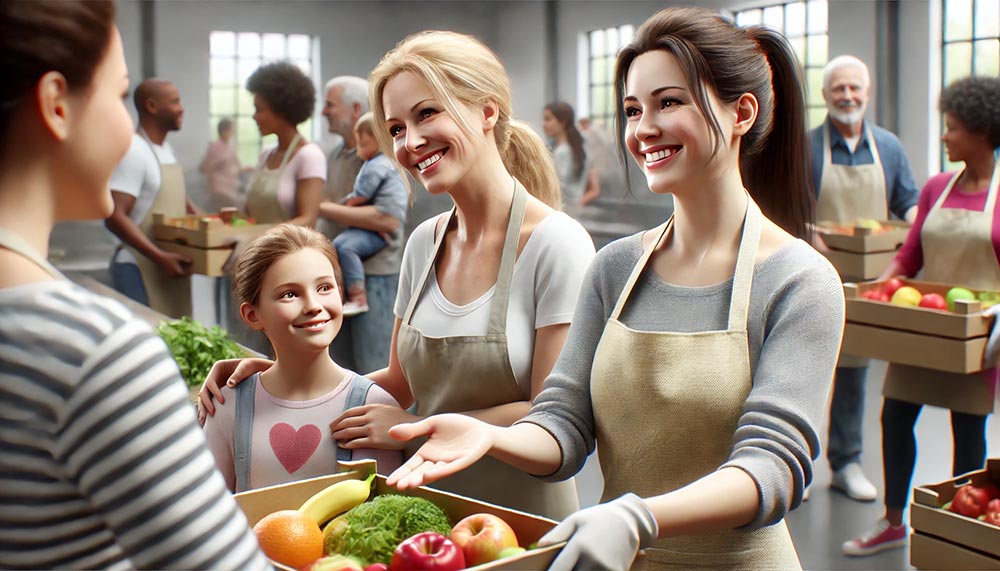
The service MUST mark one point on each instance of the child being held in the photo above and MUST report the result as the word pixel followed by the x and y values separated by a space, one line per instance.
pixel 355 244
pixel 274 427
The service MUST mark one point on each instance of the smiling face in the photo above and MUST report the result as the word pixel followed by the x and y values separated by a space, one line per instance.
pixel 666 133
pixel 847 94
pixel 339 116
pixel 299 306
pixel 100 133
pixel 427 140
pixel 959 142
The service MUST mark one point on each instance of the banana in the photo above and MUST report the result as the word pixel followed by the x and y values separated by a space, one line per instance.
pixel 336 499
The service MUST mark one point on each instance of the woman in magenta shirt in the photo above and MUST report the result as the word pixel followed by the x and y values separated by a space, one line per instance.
pixel 955 239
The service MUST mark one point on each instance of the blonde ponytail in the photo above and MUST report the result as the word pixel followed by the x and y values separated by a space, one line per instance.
pixel 530 162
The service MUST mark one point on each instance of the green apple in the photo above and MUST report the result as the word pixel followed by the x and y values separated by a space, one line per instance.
pixel 868 223
pixel 510 552
pixel 906 296
pixel 989 298
pixel 957 293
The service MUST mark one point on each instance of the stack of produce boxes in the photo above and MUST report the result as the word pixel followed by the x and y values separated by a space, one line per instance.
pixel 486 537
pixel 863 250
pixel 923 324
pixel 956 523
pixel 207 240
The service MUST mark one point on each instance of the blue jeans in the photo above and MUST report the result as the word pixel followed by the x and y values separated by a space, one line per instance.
pixel 847 411
pixel 127 280
pixel 364 341
pixel 354 245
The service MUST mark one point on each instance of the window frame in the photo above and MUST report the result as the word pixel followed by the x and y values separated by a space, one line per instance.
pixel 249 143
pixel 590 85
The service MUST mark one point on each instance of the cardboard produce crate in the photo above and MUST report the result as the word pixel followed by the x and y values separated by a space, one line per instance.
pixel 860 253
pixel 207 240
pixel 932 339
pixel 529 528
pixel 945 540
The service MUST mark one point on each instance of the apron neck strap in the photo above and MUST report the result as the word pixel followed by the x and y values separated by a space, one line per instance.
pixel 16 244
pixel 289 151
pixel 991 192
pixel 742 277
pixel 640 266
pixel 501 291
pixel 739 304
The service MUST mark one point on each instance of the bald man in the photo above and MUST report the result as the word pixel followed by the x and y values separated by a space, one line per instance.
pixel 860 171
pixel 147 180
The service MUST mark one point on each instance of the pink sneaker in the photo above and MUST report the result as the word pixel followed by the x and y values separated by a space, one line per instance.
pixel 883 536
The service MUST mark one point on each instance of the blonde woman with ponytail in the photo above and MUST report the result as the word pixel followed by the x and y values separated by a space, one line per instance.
pixel 487 290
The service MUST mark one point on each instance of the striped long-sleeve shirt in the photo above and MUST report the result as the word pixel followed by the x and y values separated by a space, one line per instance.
pixel 102 462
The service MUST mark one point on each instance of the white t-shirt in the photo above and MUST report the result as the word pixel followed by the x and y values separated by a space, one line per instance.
pixel 572 186
pixel 544 289
pixel 138 175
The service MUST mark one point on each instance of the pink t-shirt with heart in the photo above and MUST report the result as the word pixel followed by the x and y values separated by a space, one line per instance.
pixel 291 439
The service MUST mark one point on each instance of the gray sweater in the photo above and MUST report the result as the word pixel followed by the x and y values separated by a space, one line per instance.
pixel 795 325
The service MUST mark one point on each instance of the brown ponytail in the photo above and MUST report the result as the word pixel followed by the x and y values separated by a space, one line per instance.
pixel 716 55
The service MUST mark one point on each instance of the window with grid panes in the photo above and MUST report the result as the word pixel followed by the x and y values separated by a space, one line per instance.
pixel 603 46
pixel 970 45
pixel 804 23
pixel 233 56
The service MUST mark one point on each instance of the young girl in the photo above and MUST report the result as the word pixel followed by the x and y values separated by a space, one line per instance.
pixel 701 353
pixel 273 429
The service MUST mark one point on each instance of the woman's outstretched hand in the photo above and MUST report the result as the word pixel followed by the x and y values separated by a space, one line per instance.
pixel 229 372
pixel 454 443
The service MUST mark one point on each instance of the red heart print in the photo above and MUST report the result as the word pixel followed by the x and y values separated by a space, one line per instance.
pixel 294 447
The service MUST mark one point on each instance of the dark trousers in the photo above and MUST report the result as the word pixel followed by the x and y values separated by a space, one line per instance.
pixel 899 447
pixel 847 412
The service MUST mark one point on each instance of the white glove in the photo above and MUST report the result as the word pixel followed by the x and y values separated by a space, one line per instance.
pixel 991 358
pixel 605 537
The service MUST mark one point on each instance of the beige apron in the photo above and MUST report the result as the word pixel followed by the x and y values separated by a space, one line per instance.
pixel 667 406
pixel 167 295
pixel 14 243
pixel 262 196
pixel 471 372
pixel 958 249
pixel 847 193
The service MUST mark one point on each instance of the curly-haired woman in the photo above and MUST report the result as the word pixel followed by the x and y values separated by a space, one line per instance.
pixel 288 184
pixel 955 239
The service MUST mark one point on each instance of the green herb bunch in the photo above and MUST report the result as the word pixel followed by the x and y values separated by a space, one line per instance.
pixel 372 530
pixel 196 347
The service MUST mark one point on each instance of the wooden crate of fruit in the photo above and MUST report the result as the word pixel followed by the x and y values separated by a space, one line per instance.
pixel 962 520
pixel 862 250
pixel 207 240
pixel 316 496
pixel 923 324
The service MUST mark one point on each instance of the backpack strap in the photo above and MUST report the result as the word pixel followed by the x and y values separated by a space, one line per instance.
pixel 243 430
pixel 357 395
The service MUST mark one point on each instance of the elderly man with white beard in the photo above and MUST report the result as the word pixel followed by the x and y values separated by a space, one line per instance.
pixel 859 171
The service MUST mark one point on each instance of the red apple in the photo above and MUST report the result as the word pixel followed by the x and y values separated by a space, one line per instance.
pixel 970 501
pixel 891 285
pixel 875 295
pixel 427 551
pixel 933 301
pixel 335 563
pixel 482 537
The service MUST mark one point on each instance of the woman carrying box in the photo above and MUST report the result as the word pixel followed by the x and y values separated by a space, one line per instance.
pixel 955 239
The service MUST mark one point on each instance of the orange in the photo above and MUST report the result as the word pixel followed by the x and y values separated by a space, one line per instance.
pixel 290 537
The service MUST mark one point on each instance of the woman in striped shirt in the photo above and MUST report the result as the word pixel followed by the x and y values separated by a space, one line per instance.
pixel 102 464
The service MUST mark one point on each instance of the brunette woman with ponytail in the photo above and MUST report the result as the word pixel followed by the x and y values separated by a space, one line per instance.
pixel 579 182
pixel 701 352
